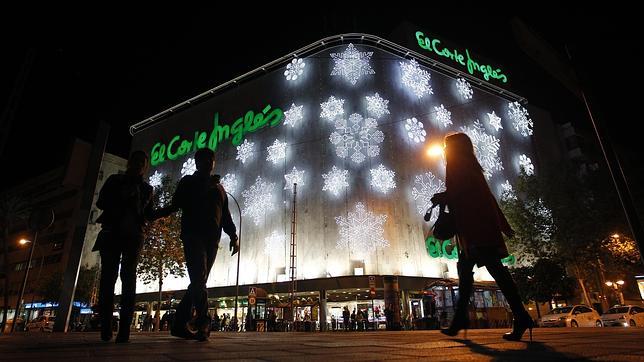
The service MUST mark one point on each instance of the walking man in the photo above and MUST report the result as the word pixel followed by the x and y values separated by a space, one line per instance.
pixel 205 214
pixel 126 201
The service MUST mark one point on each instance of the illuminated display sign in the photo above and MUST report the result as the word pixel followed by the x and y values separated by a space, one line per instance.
pixel 250 122
pixel 447 249
pixel 464 59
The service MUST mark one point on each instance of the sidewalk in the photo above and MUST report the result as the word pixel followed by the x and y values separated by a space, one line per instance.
pixel 596 344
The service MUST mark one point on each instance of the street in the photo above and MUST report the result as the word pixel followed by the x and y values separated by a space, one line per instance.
pixel 593 344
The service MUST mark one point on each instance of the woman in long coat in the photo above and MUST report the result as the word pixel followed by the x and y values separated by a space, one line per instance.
pixel 479 224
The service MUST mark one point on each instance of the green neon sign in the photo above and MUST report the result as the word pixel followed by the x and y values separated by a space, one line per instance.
pixel 446 249
pixel 464 59
pixel 249 123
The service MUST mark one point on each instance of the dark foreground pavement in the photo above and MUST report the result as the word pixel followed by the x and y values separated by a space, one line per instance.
pixel 595 344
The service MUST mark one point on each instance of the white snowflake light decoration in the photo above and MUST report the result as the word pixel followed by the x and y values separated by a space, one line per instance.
pixel 359 136
pixel 331 108
pixel 507 191
pixel 258 200
pixel 155 179
pixel 294 115
pixel 189 167
pixel 415 78
pixel 229 182
pixel 276 152
pixel 415 130
pixel 443 115
pixel 294 69
pixel 520 119
pixel 294 176
pixel 464 88
pixel 525 164
pixel 335 180
pixel 274 244
pixel 486 148
pixel 382 179
pixel 426 185
pixel 361 231
pixel 494 121
pixel 352 64
pixel 245 151
pixel 377 106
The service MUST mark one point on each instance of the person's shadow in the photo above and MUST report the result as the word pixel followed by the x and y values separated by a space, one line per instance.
pixel 534 351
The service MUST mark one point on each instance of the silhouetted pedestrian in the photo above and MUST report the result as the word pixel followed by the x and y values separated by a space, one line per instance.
pixel 205 214
pixel 479 227
pixel 126 201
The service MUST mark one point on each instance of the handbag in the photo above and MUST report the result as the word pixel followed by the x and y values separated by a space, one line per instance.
pixel 445 226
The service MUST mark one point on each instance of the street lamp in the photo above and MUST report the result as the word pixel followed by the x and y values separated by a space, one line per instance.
pixel 24 280
pixel 617 286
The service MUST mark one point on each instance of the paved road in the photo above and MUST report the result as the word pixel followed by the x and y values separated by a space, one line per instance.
pixel 581 344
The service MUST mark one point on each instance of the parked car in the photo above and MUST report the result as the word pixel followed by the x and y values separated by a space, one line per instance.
pixel 571 316
pixel 624 316
pixel 43 323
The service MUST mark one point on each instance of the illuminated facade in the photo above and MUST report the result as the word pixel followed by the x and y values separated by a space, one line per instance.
pixel 350 119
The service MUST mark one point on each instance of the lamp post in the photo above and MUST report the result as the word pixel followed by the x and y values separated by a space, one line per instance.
pixel 617 286
pixel 238 259
pixel 42 259
pixel 24 279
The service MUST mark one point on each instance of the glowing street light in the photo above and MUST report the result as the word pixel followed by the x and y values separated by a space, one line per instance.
pixel 24 241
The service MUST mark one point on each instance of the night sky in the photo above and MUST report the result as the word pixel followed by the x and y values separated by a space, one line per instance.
pixel 124 65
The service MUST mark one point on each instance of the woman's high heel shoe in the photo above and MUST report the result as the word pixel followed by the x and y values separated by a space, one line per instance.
pixel 458 323
pixel 519 326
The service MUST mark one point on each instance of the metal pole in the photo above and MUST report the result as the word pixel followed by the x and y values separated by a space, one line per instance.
pixel 24 283
pixel 238 258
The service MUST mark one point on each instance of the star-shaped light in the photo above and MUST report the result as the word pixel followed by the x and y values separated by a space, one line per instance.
pixel 294 176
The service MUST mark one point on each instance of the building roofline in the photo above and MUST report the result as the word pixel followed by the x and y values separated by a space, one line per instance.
pixel 315 47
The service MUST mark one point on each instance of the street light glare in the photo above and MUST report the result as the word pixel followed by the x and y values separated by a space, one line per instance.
pixel 615 236
pixel 610 284
pixel 435 150
pixel 620 282
pixel 24 241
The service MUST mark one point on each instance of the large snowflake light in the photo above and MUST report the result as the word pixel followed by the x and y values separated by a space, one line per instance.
pixel 294 69
pixel 359 136
pixel 352 64
pixel 258 200
pixel 443 115
pixel 382 179
pixel 155 179
pixel 361 231
pixel 293 116
pixel 520 119
pixel 331 108
pixel 274 244
pixel 377 106
pixel 494 121
pixel 276 152
pixel 229 182
pixel 464 88
pixel 426 185
pixel 486 148
pixel 415 130
pixel 294 176
pixel 189 167
pixel 525 164
pixel 415 78
pixel 335 180
pixel 245 151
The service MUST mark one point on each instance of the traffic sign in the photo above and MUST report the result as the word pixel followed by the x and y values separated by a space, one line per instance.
pixel 253 291
pixel 251 300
